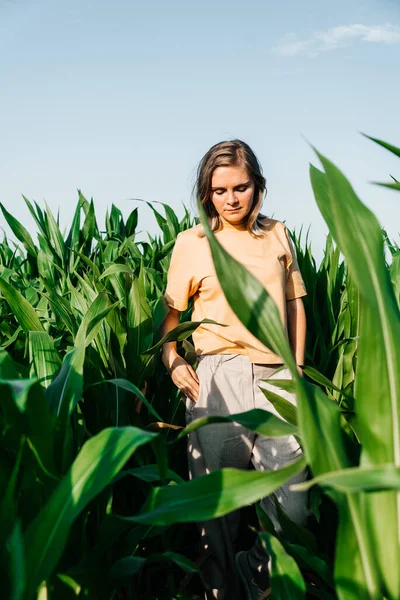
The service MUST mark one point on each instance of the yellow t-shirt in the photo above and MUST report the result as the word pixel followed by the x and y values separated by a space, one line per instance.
pixel 270 258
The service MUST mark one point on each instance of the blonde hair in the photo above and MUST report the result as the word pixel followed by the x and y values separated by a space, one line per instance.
pixel 227 154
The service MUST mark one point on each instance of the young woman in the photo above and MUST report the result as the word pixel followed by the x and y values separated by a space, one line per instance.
pixel 231 361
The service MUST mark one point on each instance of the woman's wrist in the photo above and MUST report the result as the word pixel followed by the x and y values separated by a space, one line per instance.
pixel 168 357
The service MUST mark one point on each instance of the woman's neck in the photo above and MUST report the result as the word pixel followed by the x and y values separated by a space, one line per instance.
pixel 225 226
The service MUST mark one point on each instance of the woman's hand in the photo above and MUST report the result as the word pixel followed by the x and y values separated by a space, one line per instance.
pixel 184 376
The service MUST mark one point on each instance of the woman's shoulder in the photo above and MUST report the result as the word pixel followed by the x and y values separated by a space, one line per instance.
pixel 272 225
pixel 190 235
pixel 276 232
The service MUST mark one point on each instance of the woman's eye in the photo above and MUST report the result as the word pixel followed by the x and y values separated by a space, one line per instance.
pixel 242 188
pixel 219 192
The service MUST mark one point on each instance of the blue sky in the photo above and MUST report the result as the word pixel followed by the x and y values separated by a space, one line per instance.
pixel 122 99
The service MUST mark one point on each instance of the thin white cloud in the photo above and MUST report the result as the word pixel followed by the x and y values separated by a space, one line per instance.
pixel 337 37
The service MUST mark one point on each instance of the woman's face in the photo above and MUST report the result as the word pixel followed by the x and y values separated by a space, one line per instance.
pixel 232 193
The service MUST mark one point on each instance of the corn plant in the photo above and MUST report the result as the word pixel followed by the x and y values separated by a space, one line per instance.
pixel 92 448
pixel 361 479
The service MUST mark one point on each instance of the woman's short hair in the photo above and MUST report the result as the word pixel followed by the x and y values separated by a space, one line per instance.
pixel 228 154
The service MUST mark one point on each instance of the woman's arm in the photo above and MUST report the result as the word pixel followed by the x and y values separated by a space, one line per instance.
pixel 169 352
pixel 297 326
pixel 182 374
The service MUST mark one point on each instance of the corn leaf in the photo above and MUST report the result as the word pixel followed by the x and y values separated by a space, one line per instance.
pixel 286 579
pixel 377 386
pixel 257 420
pixel 23 311
pixel 100 459
pixel 212 495
pixel 20 232
pixel 43 357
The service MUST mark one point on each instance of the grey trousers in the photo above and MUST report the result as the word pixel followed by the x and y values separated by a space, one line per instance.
pixel 229 383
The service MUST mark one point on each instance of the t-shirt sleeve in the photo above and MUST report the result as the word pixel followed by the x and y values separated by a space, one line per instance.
pixel 181 282
pixel 295 287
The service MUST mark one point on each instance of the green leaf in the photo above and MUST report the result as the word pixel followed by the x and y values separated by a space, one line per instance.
pixel 38 217
pixel 286 579
pixel 150 473
pixel 72 241
pixel 43 356
pixel 286 384
pixel 125 567
pixel 392 149
pixel 115 269
pixel 8 369
pixel 23 311
pixel 350 571
pixel 179 333
pixel 92 266
pixel 257 420
pixel 286 409
pixel 357 479
pixel 213 495
pixel 56 241
pixel 291 531
pixel 132 222
pixel 124 384
pixel 391 186
pixel 100 459
pixel 61 308
pixel 312 563
pixel 316 376
pixel 35 423
pixel 70 583
pixel 359 237
pixel 17 562
pixel 91 323
pixel 139 325
pixel 8 502
pixel 20 232
pixel 89 228
pixel 66 388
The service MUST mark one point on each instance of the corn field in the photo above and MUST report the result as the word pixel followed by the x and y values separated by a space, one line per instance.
pixel 95 498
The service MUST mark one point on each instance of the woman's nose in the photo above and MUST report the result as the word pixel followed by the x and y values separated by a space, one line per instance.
pixel 231 198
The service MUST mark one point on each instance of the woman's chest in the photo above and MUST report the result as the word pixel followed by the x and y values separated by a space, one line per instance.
pixel 265 261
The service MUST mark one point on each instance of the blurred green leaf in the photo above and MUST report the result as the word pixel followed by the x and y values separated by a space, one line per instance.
pixel 359 237
pixel 385 145
pixel 356 479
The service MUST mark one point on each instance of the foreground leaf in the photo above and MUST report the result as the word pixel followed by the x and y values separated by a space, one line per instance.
pixel 357 479
pixel 100 459
pixel 377 385
pixel 212 495
pixel 257 420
